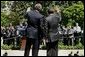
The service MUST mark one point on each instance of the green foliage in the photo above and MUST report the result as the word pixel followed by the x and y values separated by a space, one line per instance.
pixel 78 46
pixel 72 11
pixel 16 48
pixel 62 46
pixel 75 13
pixel 4 19
pixel 43 47
pixel 6 47
pixel 18 10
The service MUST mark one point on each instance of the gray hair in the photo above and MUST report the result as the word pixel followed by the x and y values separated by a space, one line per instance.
pixel 38 6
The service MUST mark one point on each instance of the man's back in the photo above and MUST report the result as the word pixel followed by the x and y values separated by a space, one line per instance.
pixel 34 16
pixel 33 20
pixel 33 30
pixel 53 21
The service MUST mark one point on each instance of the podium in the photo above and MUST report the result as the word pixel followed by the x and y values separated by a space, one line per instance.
pixel 23 42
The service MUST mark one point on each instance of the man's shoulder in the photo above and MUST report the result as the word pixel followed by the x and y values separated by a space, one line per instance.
pixel 48 17
pixel 35 14
pixel 30 11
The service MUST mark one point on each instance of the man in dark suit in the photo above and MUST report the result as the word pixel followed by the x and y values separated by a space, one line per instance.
pixel 33 30
pixel 52 33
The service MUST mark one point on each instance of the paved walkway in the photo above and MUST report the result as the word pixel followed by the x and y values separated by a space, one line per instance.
pixel 41 52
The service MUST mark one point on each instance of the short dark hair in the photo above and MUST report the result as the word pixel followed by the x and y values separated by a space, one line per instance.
pixel 50 10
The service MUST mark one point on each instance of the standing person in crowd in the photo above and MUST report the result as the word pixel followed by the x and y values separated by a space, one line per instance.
pixel 21 29
pixel 33 31
pixel 70 35
pixel 25 25
pixel 17 35
pixel 8 34
pixel 82 37
pixel 20 32
pixel 52 22
pixel 12 31
pixel 1 31
pixel 77 30
pixel 2 34
pixel 65 39
pixel 60 29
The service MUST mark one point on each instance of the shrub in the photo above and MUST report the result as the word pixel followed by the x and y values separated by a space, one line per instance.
pixel 6 47
pixel 43 47
pixel 78 46
pixel 16 48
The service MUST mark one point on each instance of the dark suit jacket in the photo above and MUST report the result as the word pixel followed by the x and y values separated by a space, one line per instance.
pixel 34 20
pixel 52 22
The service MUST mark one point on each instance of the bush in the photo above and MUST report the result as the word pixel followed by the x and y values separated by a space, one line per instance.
pixel 6 47
pixel 78 46
pixel 43 47
pixel 62 46
pixel 16 48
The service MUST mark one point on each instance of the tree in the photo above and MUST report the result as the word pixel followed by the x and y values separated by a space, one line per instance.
pixel 74 13
pixel 4 19
pixel 70 10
